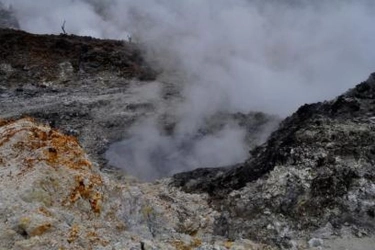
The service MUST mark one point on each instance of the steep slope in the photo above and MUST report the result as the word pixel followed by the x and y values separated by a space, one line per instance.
pixel 53 197
pixel 315 171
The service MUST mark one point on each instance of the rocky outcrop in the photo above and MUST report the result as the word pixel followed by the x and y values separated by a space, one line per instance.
pixel 53 197
pixel 315 171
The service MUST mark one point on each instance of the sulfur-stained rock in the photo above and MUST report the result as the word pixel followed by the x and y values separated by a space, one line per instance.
pixel 53 197
pixel 54 164
pixel 33 224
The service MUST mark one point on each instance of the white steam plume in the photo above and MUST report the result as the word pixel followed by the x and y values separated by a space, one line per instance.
pixel 248 55
pixel 236 56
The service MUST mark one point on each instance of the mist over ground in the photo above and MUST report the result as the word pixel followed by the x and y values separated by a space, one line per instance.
pixel 235 56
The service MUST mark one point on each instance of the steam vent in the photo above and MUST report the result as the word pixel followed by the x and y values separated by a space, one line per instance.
pixel 141 130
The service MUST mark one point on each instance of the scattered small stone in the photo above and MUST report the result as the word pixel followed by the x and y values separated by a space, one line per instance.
pixel 315 242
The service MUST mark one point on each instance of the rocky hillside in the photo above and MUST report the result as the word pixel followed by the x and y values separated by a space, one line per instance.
pixel 315 174
pixel 70 81
pixel 95 89
pixel 53 197
pixel 42 59
pixel 309 186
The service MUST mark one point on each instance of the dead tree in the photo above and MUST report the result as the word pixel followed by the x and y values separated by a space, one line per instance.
pixel 63 27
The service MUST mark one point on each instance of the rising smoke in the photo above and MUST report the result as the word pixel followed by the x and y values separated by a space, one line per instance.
pixel 236 56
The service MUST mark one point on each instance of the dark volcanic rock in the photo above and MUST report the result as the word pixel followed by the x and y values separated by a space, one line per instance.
pixel 317 168
pixel 42 58
pixel 318 126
